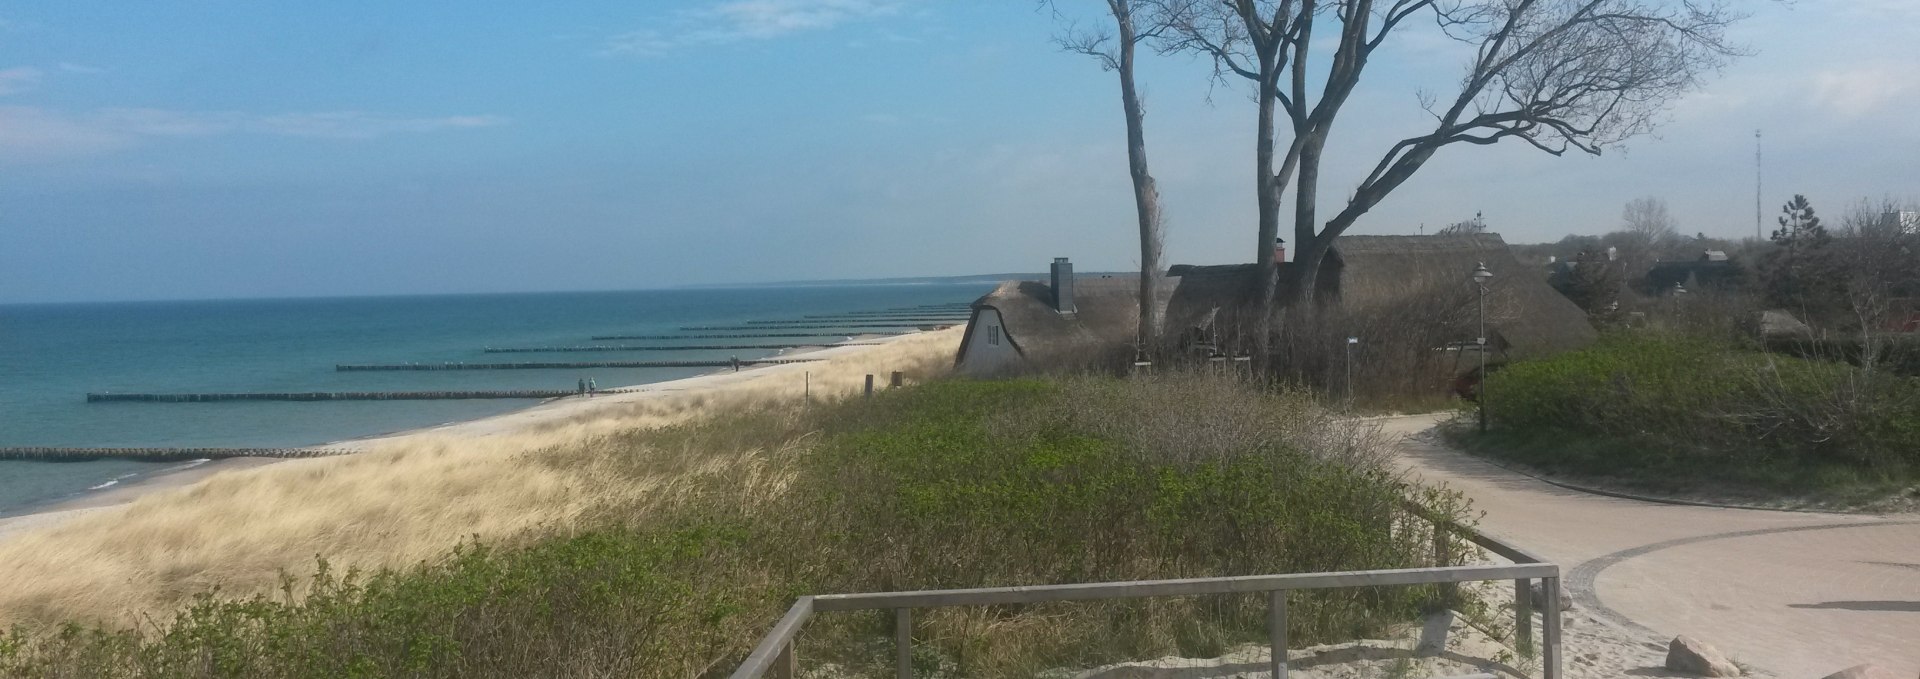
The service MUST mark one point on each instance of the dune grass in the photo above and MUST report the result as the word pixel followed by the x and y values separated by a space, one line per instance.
pixel 947 484
pixel 404 501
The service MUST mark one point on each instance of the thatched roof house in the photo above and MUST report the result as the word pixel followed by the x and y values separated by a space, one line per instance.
pixel 1417 280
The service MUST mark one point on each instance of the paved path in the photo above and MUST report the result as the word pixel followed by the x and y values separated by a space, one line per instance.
pixel 1793 594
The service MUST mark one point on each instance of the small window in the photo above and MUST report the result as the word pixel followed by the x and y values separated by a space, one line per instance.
pixel 993 335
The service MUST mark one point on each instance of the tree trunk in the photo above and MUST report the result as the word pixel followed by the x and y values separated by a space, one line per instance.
pixel 1267 197
pixel 1146 198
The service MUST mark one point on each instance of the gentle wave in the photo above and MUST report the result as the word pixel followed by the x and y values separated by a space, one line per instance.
pixel 181 467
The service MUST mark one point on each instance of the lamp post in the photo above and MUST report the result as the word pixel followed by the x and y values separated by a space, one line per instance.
pixel 1480 278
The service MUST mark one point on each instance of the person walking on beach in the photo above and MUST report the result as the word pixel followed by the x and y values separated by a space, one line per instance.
pixel 583 386
pixel 592 387
pixel 736 363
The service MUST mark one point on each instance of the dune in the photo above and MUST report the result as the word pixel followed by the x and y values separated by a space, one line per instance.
pixel 400 500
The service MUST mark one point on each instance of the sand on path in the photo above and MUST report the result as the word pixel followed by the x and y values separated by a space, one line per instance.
pixel 1791 594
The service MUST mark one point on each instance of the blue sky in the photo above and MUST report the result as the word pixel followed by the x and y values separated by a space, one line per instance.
pixel 207 148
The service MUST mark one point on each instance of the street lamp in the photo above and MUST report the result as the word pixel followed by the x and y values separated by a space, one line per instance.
pixel 1481 276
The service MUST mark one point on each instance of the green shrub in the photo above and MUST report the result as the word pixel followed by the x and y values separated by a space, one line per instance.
pixel 1676 413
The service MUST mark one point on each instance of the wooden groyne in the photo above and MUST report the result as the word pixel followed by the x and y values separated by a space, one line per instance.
pixel 51 454
pixel 888 316
pixel 812 327
pixel 685 347
pixel 749 335
pixel 864 321
pixel 332 396
pixel 571 365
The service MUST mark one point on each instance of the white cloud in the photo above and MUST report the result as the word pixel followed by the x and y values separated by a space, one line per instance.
pixel 32 133
pixel 741 20
pixel 1863 90
pixel 18 79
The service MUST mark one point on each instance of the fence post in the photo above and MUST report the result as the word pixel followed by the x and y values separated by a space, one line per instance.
pixel 1523 616
pixel 1550 626
pixel 869 392
pixel 1442 556
pixel 896 380
pixel 903 641
pixel 1277 633
pixel 785 666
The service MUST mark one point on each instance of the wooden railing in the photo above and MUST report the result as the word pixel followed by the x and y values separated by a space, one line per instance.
pixel 775 656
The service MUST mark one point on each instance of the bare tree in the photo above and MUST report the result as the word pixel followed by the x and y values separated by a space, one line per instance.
pixel 1255 40
pixel 1115 53
pixel 1559 75
pixel 1556 74
pixel 1648 218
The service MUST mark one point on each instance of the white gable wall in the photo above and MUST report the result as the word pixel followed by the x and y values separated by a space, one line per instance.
pixel 988 348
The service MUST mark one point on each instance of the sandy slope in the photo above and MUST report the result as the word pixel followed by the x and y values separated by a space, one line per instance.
pixel 405 498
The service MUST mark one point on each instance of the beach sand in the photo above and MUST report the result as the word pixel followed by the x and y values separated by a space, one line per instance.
pixel 240 524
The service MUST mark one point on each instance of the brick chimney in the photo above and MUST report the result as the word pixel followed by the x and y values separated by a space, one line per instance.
pixel 1062 285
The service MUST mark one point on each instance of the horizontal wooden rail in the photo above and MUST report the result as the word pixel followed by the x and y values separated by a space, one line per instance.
pixel 775 657
pixel 994 596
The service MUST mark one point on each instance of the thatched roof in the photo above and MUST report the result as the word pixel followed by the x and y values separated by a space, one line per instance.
pixel 1107 313
pixel 1526 318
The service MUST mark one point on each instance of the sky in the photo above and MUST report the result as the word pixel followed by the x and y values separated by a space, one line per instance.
pixel 226 148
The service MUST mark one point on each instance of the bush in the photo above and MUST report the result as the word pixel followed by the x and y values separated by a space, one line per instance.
pixel 1680 412
pixel 952 484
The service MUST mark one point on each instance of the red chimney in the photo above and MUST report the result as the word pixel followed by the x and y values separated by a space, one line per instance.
pixel 1279 249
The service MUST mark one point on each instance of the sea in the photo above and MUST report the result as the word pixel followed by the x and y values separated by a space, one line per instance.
pixel 53 355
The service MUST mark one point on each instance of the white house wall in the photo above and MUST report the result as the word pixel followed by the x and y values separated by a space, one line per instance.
pixel 989 349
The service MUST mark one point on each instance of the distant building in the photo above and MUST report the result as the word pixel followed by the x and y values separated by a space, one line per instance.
pixel 1711 269
pixel 1213 308
pixel 1907 221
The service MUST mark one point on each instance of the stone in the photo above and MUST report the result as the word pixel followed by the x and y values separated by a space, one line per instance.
pixel 1867 671
pixel 1539 598
pixel 1688 655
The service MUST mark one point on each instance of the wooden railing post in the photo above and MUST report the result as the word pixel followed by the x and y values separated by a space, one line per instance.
pixel 869 392
pixel 1277 633
pixel 1550 626
pixel 898 378
pixel 785 665
pixel 903 643
pixel 1523 616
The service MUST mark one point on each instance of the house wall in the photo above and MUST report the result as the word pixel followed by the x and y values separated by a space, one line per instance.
pixel 988 349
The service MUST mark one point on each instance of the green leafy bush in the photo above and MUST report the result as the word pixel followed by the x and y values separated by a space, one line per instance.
pixel 1676 412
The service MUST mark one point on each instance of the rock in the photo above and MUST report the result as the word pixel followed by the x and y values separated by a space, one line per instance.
pixel 1867 671
pixel 1688 655
pixel 1539 598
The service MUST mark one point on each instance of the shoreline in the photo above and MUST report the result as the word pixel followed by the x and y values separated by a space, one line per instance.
pixel 534 416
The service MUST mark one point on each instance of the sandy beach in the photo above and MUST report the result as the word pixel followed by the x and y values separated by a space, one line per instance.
pixel 402 497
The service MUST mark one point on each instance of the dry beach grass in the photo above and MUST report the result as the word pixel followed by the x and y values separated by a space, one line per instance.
pixel 405 499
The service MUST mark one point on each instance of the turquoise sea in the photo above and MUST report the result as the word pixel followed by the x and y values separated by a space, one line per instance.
pixel 51 356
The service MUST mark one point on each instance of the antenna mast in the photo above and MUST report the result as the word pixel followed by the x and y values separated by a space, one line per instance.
pixel 1758 233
